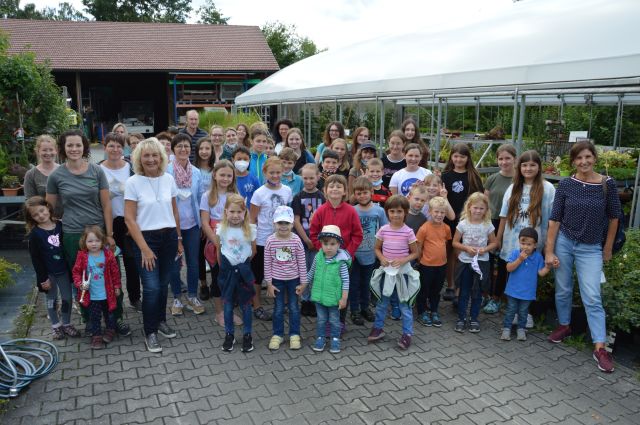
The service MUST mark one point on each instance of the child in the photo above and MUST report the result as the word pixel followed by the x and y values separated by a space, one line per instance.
pixel 372 218
pixel 259 145
pixel 417 198
pixel 395 248
pixel 474 239
pixel 329 275
pixel 362 157
pixel 264 202
pixel 340 147
pixel 329 166
pixel 460 179
pixel 402 180
pixel 212 205
pixel 236 245
pixel 295 141
pixel 289 178
pixel 435 187
pixel 247 183
pixel 394 159
pixel 495 187
pixel 374 172
pixel 338 212
pixel 285 272
pixel 97 276
pixel 271 148
pixel 527 203
pixel 47 257
pixel 433 237
pixel 524 266
pixel 304 205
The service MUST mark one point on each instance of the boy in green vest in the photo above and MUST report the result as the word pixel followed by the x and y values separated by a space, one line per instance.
pixel 329 275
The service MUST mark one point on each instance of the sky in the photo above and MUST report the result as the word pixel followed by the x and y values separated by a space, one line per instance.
pixel 336 23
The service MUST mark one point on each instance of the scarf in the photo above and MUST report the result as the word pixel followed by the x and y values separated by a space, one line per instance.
pixel 182 175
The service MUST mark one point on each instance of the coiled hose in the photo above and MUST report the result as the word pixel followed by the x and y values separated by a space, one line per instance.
pixel 23 361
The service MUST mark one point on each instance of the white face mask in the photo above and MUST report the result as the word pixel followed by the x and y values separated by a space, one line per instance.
pixel 241 165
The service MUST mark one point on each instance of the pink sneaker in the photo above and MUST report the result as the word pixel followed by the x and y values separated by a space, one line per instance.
pixel 604 360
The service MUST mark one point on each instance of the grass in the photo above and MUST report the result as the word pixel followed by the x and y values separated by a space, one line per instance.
pixel 578 342
pixel 22 323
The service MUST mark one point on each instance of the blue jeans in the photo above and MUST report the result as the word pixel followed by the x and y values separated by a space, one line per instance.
pixel 359 293
pixel 588 261
pixel 381 312
pixel 191 244
pixel 519 307
pixel 330 314
pixel 465 283
pixel 309 255
pixel 286 287
pixel 247 317
pixel 155 283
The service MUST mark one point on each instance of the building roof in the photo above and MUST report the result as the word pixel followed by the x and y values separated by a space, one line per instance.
pixel 133 46
pixel 527 45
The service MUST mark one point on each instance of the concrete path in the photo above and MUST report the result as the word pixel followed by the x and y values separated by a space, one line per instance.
pixel 444 377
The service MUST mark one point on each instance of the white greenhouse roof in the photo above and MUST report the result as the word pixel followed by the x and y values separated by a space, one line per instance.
pixel 532 44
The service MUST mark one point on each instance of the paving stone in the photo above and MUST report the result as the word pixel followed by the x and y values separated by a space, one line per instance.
pixel 169 410
pixel 141 403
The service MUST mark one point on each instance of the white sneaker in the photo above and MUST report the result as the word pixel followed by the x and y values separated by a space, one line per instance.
pixel 176 307
pixel 194 304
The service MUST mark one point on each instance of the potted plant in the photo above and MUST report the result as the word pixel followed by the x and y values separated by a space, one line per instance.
pixel 10 185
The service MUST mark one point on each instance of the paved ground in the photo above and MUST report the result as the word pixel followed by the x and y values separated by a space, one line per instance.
pixel 444 378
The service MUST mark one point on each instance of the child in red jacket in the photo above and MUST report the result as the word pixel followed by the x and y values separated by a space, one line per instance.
pixel 97 276
pixel 338 212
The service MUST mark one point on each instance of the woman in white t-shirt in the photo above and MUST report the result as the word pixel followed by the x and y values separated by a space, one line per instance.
pixel 151 214
pixel 402 180
pixel 118 171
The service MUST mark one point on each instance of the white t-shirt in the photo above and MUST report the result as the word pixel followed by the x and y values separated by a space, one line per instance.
pixel 154 196
pixel 268 200
pixel 403 180
pixel 216 211
pixel 475 235
pixel 234 245
pixel 117 180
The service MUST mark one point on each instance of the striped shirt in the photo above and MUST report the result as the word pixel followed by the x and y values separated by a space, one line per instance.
pixel 284 260
pixel 395 242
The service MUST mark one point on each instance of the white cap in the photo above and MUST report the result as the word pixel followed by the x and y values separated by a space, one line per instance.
pixel 283 213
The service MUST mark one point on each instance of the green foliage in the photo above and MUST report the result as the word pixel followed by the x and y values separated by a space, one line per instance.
pixel 22 323
pixel 621 293
pixel 287 46
pixel 209 14
pixel 6 270
pixel 139 10
pixel 579 342
pixel 207 119
pixel 10 182
pixel 64 12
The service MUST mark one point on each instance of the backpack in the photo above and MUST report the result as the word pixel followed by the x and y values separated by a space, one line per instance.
pixel 620 237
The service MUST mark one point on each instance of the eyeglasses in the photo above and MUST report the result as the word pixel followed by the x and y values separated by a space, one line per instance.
pixel 334 130
pixel 183 147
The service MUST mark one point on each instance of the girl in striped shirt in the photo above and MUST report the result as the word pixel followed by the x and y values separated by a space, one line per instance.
pixel 285 271
pixel 396 246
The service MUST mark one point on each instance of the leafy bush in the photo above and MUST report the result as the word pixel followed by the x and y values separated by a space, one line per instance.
pixel 621 293
pixel 6 268
pixel 208 119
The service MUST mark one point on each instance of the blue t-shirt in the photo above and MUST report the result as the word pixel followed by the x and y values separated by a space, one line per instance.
pixel 523 281
pixel 96 285
pixel 295 185
pixel 246 186
pixel 371 220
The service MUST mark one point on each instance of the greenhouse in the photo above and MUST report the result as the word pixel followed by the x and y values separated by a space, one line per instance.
pixel 547 72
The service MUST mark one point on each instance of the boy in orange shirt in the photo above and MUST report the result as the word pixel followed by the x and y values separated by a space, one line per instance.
pixel 432 243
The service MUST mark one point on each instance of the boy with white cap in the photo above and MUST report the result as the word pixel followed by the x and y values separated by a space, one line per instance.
pixel 285 272
pixel 329 275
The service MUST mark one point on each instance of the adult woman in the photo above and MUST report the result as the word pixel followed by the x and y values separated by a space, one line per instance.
pixel 585 209
pixel 412 134
pixel 242 131
pixel 230 143
pixel 35 181
pixel 295 141
pixel 151 214
pixel 280 130
pixel 118 171
pixel 394 159
pixel 360 136
pixel 190 189
pixel 217 138
pixel 132 141
pixel 334 130
pixel 120 128
pixel 84 192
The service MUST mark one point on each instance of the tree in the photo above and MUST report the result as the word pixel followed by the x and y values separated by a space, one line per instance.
pixel 64 12
pixel 209 14
pixel 139 10
pixel 285 43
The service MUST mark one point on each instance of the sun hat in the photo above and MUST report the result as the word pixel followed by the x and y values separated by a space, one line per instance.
pixel 331 231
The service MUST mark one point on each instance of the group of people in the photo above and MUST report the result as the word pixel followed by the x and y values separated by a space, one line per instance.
pixel 328 231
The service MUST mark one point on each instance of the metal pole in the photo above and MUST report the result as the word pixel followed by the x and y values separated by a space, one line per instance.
pixel 514 123
pixel 381 126
pixel 621 122
pixel 615 131
pixel 437 157
pixel 523 107
pixel 340 112
pixel 446 112
pixel 375 130
pixel 335 109
pixel 418 117
pixel 477 114
pixel 304 123
pixel 433 109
